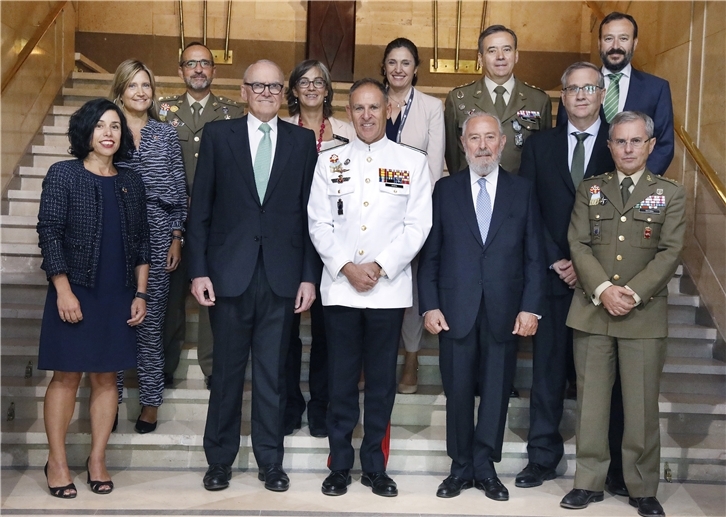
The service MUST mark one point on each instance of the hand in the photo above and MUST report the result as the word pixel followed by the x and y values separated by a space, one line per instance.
pixel 200 285
pixel 363 277
pixel 173 256
pixel 69 308
pixel 526 324
pixel 566 272
pixel 138 312
pixel 305 297
pixel 618 301
pixel 435 322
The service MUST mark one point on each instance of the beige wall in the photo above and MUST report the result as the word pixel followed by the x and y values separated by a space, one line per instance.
pixel 28 97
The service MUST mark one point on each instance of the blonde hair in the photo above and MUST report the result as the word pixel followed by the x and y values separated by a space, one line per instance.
pixel 123 76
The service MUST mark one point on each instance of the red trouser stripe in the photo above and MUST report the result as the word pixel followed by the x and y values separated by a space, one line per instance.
pixel 386 445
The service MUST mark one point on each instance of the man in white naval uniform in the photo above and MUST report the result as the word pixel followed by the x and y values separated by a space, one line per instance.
pixel 369 214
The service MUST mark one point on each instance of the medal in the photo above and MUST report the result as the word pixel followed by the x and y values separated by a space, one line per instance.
pixel 333 158
pixel 174 109
pixel 518 139
pixel 595 189
pixel 647 232
pixel 659 191
pixel 462 106
pixel 516 125
pixel 459 94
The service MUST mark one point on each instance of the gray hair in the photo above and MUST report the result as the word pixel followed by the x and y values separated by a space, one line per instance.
pixel 477 114
pixel 632 116
pixel 582 65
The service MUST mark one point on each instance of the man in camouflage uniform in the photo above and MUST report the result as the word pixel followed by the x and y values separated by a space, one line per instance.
pixel 188 113
pixel 522 109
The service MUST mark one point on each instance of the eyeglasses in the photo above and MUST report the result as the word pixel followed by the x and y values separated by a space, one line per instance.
pixel 635 143
pixel 589 89
pixel 275 88
pixel 192 63
pixel 318 83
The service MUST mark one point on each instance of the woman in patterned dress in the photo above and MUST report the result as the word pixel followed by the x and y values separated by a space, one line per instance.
pixel 158 158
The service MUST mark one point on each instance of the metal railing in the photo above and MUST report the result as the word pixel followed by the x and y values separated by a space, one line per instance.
pixel 701 162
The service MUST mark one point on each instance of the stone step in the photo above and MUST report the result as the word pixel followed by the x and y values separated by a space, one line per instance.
pixel 18 229
pixel 31 178
pixel 24 202
pixel 55 136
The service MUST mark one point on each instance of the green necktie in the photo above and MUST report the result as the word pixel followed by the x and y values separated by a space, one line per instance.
pixel 499 104
pixel 262 161
pixel 625 188
pixel 612 97
pixel 577 170
pixel 197 107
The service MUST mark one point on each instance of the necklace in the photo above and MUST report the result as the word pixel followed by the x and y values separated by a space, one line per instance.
pixel 320 137
pixel 399 104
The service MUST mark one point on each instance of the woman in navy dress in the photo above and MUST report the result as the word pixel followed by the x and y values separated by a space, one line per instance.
pixel 94 239
pixel 158 158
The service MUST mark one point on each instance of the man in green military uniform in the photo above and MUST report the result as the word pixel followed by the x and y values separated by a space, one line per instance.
pixel 626 235
pixel 188 113
pixel 522 109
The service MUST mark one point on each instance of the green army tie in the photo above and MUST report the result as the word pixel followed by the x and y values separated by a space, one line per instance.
pixel 197 107
pixel 262 161
pixel 612 97
pixel 499 104
pixel 625 188
pixel 577 170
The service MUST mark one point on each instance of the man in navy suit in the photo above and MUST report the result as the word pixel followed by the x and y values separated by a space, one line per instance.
pixel 556 161
pixel 629 89
pixel 252 263
pixel 481 285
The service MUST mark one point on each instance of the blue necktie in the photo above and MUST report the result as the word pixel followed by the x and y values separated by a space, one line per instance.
pixel 262 161
pixel 483 209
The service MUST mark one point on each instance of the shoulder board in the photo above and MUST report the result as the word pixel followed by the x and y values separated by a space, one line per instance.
pixel 669 180
pixel 604 176
pixel 414 148
pixel 535 87
pixel 225 100
pixel 465 84
pixel 170 97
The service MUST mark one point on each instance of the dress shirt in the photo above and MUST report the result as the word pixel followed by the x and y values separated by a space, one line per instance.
pixel 492 179
pixel 253 130
pixel 599 289
pixel 624 84
pixel 508 85
pixel 589 142
pixel 191 100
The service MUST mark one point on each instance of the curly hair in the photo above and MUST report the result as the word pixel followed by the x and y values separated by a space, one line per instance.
pixel 83 123
pixel 124 75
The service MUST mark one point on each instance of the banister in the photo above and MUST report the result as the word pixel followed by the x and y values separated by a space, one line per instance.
pixel 33 42
pixel 702 163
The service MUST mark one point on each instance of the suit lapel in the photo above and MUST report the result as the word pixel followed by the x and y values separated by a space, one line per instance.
pixel 282 155
pixel 465 203
pixel 599 148
pixel 560 152
pixel 502 202
pixel 209 113
pixel 483 99
pixel 642 190
pixel 636 86
pixel 610 188
pixel 185 112
pixel 239 143
pixel 517 100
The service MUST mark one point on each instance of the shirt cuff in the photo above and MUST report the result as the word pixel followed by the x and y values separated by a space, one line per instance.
pixel 598 291
pixel 535 315
pixel 638 299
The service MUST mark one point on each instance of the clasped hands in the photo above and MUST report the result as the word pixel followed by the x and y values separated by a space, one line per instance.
pixel 363 277
pixel 618 301
pixel 564 269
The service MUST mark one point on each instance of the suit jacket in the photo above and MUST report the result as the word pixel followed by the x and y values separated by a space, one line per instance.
pixel 228 223
pixel 650 95
pixel 637 245
pixel 475 97
pixel 545 163
pixel 456 269
pixel 424 130
pixel 178 114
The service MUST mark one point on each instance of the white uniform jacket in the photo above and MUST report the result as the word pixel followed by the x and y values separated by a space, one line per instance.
pixel 369 203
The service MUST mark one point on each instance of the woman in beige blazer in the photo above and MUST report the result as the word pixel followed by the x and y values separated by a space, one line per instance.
pixel 417 120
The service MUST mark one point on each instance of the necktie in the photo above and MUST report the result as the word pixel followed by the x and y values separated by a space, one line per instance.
pixel 612 97
pixel 197 112
pixel 483 209
pixel 625 188
pixel 262 161
pixel 577 170
pixel 499 104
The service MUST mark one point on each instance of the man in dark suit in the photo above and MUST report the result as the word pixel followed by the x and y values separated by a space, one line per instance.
pixel 556 161
pixel 629 89
pixel 253 264
pixel 481 285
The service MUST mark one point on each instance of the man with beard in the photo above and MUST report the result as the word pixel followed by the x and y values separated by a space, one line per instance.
pixel 188 113
pixel 629 89
pixel 481 286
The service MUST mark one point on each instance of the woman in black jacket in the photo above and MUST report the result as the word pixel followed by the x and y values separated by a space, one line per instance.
pixel 94 238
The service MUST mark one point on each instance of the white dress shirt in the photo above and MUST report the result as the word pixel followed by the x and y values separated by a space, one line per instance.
pixel 508 85
pixel 253 130
pixel 624 84
pixel 492 178
pixel 191 100
pixel 589 142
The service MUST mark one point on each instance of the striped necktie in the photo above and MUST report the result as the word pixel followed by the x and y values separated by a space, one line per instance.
pixel 483 209
pixel 262 161
pixel 612 97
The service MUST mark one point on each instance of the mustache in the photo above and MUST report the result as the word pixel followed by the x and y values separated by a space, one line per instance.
pixel 479 154
pixel 614 51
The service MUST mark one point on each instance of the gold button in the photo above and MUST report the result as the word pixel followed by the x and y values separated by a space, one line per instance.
pixel 623 219
pixel 616 277
pixel 619 257
pixel 196 155
pixel 369 159
pixel 360 252
pixel 363 228
pixel 649 219
pixel 368 180
pixel 597 216
pixel 365 203
pixel 196 139
pixel 621 238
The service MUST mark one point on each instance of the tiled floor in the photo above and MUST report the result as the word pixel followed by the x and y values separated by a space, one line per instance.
pixel 180 493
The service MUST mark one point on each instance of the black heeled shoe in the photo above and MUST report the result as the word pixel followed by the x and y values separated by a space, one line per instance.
pixel 115 422
pixel 60 491
pixel 96 486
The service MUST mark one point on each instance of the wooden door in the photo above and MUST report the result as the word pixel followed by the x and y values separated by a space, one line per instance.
pixel 331 36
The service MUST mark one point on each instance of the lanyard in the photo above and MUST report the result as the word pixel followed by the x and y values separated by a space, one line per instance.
pixel 404 114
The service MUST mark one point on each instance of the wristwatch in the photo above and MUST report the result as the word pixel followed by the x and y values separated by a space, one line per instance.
pixel 179 238
pixel 143 296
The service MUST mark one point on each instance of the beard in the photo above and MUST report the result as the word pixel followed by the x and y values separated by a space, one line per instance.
pixel 616 67
pixel 197 83
pixel 483 167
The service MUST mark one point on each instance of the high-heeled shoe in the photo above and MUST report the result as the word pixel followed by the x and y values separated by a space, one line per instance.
pixel 115 422
pixel 60 491
pixel 97 486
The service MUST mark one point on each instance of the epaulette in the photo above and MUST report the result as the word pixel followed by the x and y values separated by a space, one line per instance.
pixel 414 148
pixel 603 176
pixel 535 87
pixel 170 97
pixel 465 84
pixel 669 180
pixel 227 101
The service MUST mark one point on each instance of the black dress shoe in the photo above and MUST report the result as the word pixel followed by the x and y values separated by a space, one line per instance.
pixel 615 485
pixel 143 427
pixel 217 477
pixel 380 483
pixel 317 430
pixel 577 499
pixel 514 393
pixel 274 477
pixel 647 506
pixel 336 483
pixel 291 427
pixel 534 474
pixel 208 382
pixel 493 489
pixel 452 486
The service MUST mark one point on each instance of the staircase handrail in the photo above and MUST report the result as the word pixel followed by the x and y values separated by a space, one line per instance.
pixel 33 42
pixel 701 162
